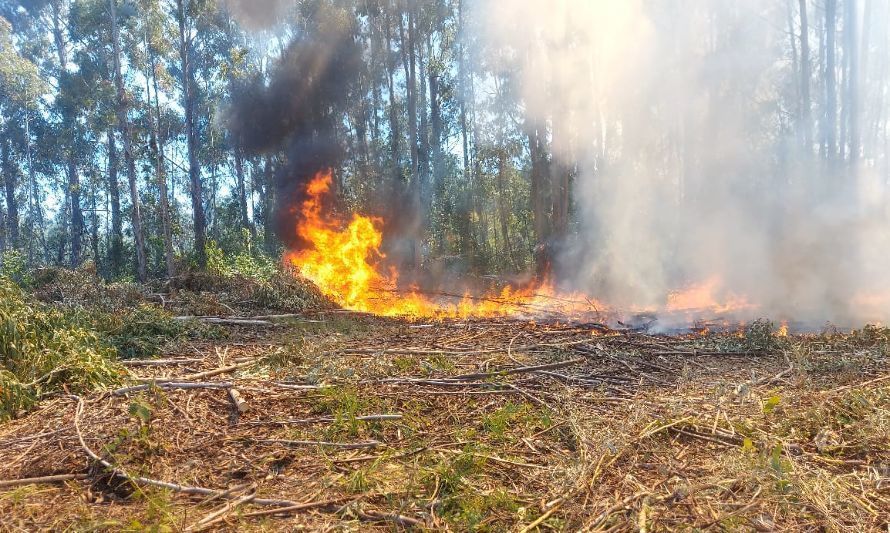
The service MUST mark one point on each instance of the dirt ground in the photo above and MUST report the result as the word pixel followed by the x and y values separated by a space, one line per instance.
pixel 346 422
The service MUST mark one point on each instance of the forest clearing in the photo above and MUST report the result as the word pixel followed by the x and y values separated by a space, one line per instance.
pixel 327 418
pixel 445 265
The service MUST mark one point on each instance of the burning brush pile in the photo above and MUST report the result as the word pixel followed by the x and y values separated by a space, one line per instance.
pixel 343 258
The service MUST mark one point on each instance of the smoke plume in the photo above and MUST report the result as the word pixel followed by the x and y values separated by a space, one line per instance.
pixel 686 169
pixel 297 110
pixel 257 14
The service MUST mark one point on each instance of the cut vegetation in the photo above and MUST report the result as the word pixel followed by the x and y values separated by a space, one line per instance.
pixel 133 420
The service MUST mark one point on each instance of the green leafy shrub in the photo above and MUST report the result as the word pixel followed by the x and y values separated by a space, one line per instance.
pixel 138 332
pixel 42 348
pixel 84 288
pixel 243 263
pixel 14 266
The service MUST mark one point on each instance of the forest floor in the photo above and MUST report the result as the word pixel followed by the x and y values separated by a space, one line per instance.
pixel 336 421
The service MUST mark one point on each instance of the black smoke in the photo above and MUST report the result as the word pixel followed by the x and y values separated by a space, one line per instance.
pixel 296 113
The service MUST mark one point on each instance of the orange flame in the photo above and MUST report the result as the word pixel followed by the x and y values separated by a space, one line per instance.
pixel 345 262
pixel 706 296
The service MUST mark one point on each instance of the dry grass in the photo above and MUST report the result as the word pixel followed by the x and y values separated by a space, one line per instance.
pixel 638 433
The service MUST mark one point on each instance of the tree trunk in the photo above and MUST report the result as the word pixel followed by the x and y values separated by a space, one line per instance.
pixel 242 191
pixel 438 196
pixel 123 124
pixel 70 126
pixel 157 147
pixel 12 208
pixel 805 106
pixel 94 225
pixel 407 38
pixel 2 235
pixel 851 51
pixel 829 127
pixel 188 104
pixel 76 213
pixel 393 110
pixel 268 199
pixel 538 157
pixel 116 248
pixel 503 205
pixel 35 212
pixel 470 242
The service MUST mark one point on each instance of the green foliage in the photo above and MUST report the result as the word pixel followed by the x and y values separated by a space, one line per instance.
pixel 42 349
pixel 14 266
pixel 760 336
pixel 345 404
pixel 512 415
pixel 83 289
pixel 771 403
pixel 243 263
pixel 138 332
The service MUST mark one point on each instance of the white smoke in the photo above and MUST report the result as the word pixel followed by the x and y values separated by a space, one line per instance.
pixel 257 14
pixel 677 119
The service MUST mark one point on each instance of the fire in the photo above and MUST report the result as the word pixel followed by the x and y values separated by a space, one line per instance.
pixel 783 329
pixel 344 260
pixel 706 296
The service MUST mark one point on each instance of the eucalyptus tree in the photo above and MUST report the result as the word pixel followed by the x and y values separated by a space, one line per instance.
pixel 20 90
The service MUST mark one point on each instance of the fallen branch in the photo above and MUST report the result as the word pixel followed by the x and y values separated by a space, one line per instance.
pixel 322 419
pixel 402 520
pixel 208 374
pixel 238 401
pixel 159 362
pixel 342 445
pixel 290 509
pixel 226 321
pixel 219 515
pixel 617 507
pixel 171 385
pixel 5 484
pixel 513 371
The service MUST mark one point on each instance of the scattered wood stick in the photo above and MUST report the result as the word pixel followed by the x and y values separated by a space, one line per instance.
pixel 238 401
pixel 322 419
pixel 160 362
pixel 291 509
pixel 225 321
pixel 170 385
pixel 540 520
pixel 209 374
pixel 8 483
pixel 598 521
pixel 511 371
pixel 402 520
pixel 220 514
pixel 342 445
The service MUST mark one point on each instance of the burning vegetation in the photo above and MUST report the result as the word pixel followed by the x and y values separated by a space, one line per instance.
pixel 343 258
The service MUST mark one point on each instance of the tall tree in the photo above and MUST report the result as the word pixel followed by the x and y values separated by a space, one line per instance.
pixel 123 124
pixel 189 88
pixel 156 144
pixel 69 136
pixel 851 52
pixel 805 75
pixel 829 122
